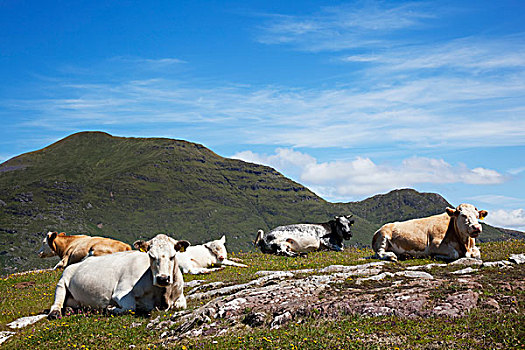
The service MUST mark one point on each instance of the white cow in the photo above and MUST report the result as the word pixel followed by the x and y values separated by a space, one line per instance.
pixel 125 281
pixel 201 258
pixel 449 236
pixel 293 240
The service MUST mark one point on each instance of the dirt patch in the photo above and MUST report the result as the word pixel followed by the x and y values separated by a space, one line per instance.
pixel 22 285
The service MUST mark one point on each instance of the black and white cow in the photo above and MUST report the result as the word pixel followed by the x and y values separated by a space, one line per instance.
pixel 293 240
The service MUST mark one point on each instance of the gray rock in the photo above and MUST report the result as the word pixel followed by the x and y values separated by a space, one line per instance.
pixel 254 319
pixel 517 258
pixel 425 267
pixel 374 278
pixel 4 335
pixel 465 271
pixel 280 320
pixel 467 262
pixel 25 321
pixel 501 264
pixel 415 274
pixel 492 303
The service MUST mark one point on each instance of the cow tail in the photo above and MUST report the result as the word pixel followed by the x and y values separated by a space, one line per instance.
pixel 258 238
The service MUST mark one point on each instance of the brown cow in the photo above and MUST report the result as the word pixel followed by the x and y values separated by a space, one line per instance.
pixel 72 249
pixel 449 236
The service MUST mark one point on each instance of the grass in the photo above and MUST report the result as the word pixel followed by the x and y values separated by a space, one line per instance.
pixel 32 293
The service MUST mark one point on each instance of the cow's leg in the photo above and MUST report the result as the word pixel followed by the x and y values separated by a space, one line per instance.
pixel 380 245
pixel 61 264
pixel 125 303
pixel 474 253
pixel 453 255
pixel 180 303
pixel 60 297
pixel 472 250
pixel 330 246
pixel 285 249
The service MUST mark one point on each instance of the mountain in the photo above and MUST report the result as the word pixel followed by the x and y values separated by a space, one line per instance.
pixel 130 188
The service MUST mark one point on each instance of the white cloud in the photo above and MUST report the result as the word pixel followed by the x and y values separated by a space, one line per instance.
pixel 342 180
pixel 343 27
pixel 514 219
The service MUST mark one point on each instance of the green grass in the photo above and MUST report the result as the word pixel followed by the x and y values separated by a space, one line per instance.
pixel 32 293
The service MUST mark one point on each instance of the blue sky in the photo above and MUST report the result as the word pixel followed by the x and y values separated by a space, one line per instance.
pixel 350 98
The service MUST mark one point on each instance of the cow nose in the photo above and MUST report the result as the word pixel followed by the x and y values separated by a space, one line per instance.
pixel 477 228
pixel 163 280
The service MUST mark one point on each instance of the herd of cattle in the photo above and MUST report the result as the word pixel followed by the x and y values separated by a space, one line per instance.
pixel 107 274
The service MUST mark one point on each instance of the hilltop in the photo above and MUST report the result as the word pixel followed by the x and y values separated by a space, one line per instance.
pixel 130 188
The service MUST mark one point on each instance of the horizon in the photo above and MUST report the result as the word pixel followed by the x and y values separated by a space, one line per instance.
pixel 350 99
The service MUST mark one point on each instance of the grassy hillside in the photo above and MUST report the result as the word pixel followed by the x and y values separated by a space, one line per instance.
pixel 130 188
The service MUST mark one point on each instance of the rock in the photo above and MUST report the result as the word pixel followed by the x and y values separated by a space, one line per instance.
pixel 425 267
pixel 280 320
pixel 415 274
pixel 193 283
pixel 457 304
pixel 517 258
pixel 500 264
pixel 465 271
pixel 491 303
pixel 254 319
pixel 4 335
pixel 25 321
pixel 467 262
pixel 374 278
pixel 375 311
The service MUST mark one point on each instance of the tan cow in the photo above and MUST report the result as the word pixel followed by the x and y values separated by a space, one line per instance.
pixel 72 249
pixel 449 236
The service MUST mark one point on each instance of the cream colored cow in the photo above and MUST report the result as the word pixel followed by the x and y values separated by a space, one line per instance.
pixel 125 281
pixel 202 258
pixel 449 236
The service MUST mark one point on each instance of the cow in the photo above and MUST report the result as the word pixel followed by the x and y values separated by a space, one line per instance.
pixel 74 248
pixel 201 258
pixel 299 239
pixel 446 236
pixel 125 281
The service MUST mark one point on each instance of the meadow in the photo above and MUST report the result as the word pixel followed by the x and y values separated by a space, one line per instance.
pixel 483 328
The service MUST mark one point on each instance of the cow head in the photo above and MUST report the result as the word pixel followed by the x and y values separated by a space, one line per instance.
pixel 46 249
pixel 218 248
pixel 342 225
pixel 161 250
pixel 467 217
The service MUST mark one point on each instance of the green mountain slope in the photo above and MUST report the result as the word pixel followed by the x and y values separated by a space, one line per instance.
pixel 130 188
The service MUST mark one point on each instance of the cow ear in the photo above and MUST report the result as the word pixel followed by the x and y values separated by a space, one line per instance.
pixel 141 245
pixel 181 246
pixel 483 214
pixel 451 212
pixel 51 236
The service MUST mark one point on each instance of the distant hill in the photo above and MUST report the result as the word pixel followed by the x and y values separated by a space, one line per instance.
pixel 129 188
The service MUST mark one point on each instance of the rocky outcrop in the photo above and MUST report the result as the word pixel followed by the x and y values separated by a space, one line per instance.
pixel 276 298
